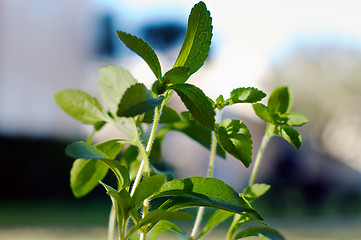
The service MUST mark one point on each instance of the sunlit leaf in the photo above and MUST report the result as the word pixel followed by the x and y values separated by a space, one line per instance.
pixel 113 82
pixel 80 106
pixel 295 119
pixel 197 103
pixel 177 75
pixel 245 95
pixel 262 111
pixel 255 191
pixel 197 41
pixel 280 100
pixel 199 191
pixel 140 47
pixel 234 138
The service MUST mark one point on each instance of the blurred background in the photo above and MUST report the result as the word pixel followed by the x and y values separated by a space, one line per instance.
pixel 314 47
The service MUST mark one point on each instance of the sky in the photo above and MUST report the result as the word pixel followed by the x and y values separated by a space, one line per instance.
pixel 250 36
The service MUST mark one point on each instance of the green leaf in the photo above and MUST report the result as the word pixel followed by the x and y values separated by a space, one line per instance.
pixel 121 202
pixel 292 136
pixel 146 188
pixel 260 231
pixel 85 175
pixel 155 216
pixel 197 41
pixel 295 119
pixel 280 100
pixel 217 217
pixel 255 191
pixel 113 82
pixel 245 95
pixel 195 131
pixel 137 100
pixel 85 150
pixel 220 102
pixel 197 103
pixel 199 191
pixel 176 75
pixel 234 138
pixel 140 47
pixel 168 115
pixel 163 226
pixel 81 149
pixel 262 112
pixel 80 106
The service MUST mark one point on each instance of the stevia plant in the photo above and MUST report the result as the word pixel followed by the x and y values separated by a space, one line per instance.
pixel 143 115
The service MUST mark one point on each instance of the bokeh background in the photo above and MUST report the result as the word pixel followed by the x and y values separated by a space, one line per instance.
pixel 312 46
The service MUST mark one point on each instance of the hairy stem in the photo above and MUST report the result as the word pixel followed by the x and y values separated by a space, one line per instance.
pixel 257 162
pixel 200 212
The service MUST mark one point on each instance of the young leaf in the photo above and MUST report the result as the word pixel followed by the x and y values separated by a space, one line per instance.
pixel 163 226
pixel 255 191
pixel 140 47
pixel 234 138
pixel 260 231
pixel 80 106
pixel 262 112
pixel 294 119
pixel 199 191
pixel 245 95
pixel 280 100
pixel 113 82
pixel 197 41
pixel 176 75
pixel 217 217
pixel 197 103
pixel 146 188
pixel 137 100
pixel 292 136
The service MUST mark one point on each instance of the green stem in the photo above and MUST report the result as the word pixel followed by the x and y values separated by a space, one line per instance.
pixel 112 223
pixel 268 134
pixel 213 149
pixel 231 228
pixel 257 162
pixel 144 168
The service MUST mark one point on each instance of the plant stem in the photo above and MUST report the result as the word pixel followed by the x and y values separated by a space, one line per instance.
pixel 257 162
pixel 213 149
pixel 144 168
pixel 267 135
pixel 112 223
